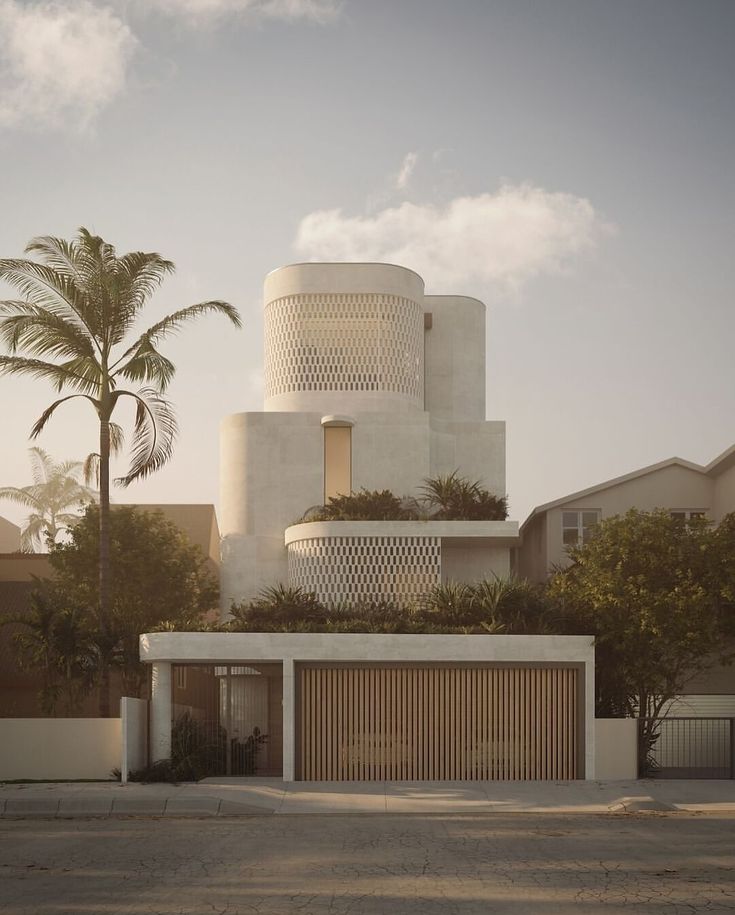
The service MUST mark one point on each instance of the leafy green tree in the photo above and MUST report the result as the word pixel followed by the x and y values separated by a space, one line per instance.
pixel 79 305
pixel 159 579
pixel 644 587
pixel 56 489
pixel 54 640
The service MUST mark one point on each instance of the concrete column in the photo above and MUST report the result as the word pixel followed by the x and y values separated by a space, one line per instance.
pixel 160 711
pixel 289 721
pixel 589 720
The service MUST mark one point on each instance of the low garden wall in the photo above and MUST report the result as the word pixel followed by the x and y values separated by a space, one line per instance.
pixel 57 749
pixel 616 748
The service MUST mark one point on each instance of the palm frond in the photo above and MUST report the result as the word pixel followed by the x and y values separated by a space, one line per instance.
pixel 140 274
pixel 41 332
pixel 45 287
pixel 18 496
pixel 32 536
pixel 58 253
pixel 48 412
pixel 171 323
pixel 117 438
pixel 147 364
pixel 153 435
pixel 60 375
pixel 40 464
pixel 91 469
pixel 91 465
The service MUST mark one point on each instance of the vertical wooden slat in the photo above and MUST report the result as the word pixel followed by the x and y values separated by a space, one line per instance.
pixel 438 723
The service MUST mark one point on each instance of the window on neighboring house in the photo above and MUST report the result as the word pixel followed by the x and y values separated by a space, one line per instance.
pixel 686 515
pixel 578 527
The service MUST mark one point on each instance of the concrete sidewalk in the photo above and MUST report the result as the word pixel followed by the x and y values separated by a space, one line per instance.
pixel 223 797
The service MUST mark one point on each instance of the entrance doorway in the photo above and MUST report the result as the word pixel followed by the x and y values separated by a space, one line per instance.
pixel 230 715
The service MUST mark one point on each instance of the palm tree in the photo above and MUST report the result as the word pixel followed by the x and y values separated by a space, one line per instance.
pixel 79 304
pixel 56 488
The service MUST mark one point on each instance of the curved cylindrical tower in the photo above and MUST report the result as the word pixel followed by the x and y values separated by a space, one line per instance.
pixel 344 338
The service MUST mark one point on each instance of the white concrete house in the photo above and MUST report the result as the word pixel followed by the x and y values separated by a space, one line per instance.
pixel 369 382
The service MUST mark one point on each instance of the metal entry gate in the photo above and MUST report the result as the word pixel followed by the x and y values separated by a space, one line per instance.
pixel 444 723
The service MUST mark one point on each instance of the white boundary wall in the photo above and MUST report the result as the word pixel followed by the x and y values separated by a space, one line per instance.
pixel 134 726
pixel 59 748
pixel 161 649
pixel 616 748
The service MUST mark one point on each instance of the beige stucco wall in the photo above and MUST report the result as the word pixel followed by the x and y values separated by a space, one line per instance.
pixel 134 731
pixel 24 567
pixel 473 562
pixel 724 498
pixel 59 748
pixel 9 536
pixel 672 487
pixel 455 358
pixel 530 557
pixel 272 471
pixel 616 748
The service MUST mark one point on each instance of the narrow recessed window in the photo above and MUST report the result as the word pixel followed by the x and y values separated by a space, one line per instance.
pixel 337 461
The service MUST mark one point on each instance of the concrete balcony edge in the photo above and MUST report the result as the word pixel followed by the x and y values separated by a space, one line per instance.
pixel 491 533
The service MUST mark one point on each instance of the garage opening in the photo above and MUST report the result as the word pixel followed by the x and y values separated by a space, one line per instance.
pixel 414 722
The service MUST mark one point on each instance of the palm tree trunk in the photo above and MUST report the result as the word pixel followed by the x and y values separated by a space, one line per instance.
pixel 104 570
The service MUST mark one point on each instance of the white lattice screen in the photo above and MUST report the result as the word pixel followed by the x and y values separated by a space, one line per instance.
pixel 364 568
pixel 345 342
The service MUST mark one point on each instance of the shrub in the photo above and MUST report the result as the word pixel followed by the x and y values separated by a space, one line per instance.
pixel 197 753
pixel 444 498
pixel 455 498
pixel 365 505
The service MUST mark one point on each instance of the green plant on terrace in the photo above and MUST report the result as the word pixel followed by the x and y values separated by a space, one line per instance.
pixel 455 498
pixel 365 505
pixel 444 498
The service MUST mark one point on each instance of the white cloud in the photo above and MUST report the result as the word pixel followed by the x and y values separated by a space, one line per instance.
pixel 501 239
pixel 407 167
pixel 60 62
pixel 199 10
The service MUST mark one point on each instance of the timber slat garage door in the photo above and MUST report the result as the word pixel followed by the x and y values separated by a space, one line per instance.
pixel 424 723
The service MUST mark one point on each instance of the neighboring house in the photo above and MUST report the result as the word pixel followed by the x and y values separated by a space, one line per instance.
pixel 369 382
pixel 9 537
pixel 681 487
pixel 18 574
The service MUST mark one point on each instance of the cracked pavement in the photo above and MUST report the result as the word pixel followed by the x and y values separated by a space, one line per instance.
pixel 365 865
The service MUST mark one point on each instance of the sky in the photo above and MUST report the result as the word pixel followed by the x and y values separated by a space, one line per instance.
pixel 569 162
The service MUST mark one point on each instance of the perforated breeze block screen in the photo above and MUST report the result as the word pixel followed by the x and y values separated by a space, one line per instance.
pixel 330 342
pixel 365 568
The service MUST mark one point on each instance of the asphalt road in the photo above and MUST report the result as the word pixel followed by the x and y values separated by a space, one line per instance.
pixel 365 865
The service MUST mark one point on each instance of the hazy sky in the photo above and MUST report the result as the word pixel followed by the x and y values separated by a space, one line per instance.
pixel 570 162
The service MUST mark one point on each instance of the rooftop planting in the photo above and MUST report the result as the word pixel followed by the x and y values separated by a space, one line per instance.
pixel 443 498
